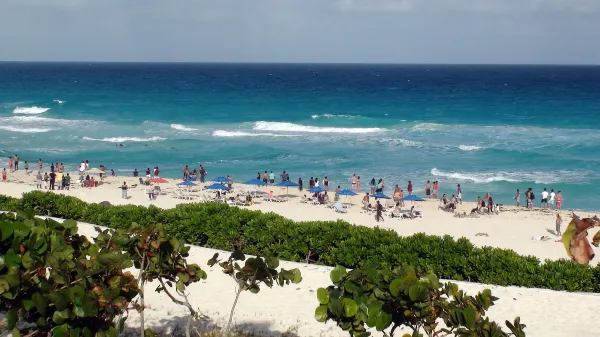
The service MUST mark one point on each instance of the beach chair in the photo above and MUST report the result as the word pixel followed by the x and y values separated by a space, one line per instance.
pixel 339 208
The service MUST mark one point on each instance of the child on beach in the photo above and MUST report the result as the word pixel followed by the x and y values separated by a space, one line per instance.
pixel 558 223
pixel 517 198
pixel 4 174
pixel 10 164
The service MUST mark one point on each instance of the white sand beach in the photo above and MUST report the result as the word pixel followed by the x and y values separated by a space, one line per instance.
pixel 291 309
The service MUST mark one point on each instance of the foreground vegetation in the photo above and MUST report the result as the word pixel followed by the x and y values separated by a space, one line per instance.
pixel 55 282
pixel 323 242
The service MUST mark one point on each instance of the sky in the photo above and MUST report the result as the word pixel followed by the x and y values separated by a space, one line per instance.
pixel 302 31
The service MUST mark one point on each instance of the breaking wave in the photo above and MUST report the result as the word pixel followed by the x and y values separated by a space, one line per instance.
pixel 224 133
pixel 331 116
pixel 182 127
pixel 290 127
pixel 469 147
pixel 24 130
pixel 550 177
pixel 124 139
pixel 34 110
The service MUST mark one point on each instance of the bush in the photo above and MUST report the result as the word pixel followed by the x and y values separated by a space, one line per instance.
pixel 324 242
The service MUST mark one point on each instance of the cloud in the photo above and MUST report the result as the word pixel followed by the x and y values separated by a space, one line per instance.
pixel 491 6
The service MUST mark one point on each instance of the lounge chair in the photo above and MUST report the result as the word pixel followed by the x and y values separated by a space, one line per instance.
pixel 340 208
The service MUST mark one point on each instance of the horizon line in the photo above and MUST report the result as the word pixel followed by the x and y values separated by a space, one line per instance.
pixel 313 63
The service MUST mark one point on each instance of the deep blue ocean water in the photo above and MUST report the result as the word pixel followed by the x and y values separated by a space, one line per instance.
pixel 490 128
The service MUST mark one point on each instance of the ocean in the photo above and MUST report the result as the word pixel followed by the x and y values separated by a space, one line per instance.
pixel 489 128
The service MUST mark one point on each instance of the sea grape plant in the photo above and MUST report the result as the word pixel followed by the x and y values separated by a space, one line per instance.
pixel 56 282
pixel 386 300
pixel 158 257
pixel 256 270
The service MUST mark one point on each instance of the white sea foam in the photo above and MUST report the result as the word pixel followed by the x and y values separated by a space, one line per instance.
pixel 469 147
pixel 427 127
pixel 124 139
pixel 399 142
pixel 225 133
pixel 331 116
pixel 181 127
pixel 23 130
pixel 290 127
pixel 59 101
pixel 549 177
pixel 34 110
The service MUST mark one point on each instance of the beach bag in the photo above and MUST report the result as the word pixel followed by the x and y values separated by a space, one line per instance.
pixel 532 196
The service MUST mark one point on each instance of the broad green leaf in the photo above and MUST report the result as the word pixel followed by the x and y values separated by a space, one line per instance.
pixel 470 316
pixel 11 319
pixel 12 259
pixel 321 313
pixel 16 332
pixel 183 277
pixel 336 306
pixel 238 255
pixel 337 274
pixel 417 292
pixel 323 295
pixel 396 286
pixel 41 303
pixel 26 260
pixel 27 304
pixel 59 300
pixel 272 262
pixel 109 258
pixel 433 280
pixel 61 331
pixel 297 276
pixel 350 307
pixel 78 311
pixel 7 231
pixel 383 321
pixel 89 306
pixel 59 317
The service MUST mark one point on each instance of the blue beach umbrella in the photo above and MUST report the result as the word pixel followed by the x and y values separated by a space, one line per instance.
pixel 255 181
pixel 411 198
pixel 186 183
pixel 316 190
pixel 346 192
pixel 380 196
pixel 287 184
pixel 221 180
pixel 217 187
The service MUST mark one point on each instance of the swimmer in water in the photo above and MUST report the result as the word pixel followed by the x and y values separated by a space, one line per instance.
pixel 171 148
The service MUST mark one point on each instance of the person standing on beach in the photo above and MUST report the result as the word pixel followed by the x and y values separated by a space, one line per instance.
pixel 353 182
pixel 379 211
pixel 203 173
pixel 551 201
pixel 409 188
pixel 517 198
pixel 39 164
pixel 4 174
pixel 38 180
pixel 558 223
pixel 16 162
pixel 436 189
pixel 272 178
pixel 428 189
pixel 559 200
pixel 68 182
pixel 124 190
pixel 26 167
pixel 300 183
pixel 46 178
pixel 52 180
pixel 358 184
pixel 326 183
pixel 311 183
pixel 459 193
pixel 544 201
pixel 10 164
pixel 373 186
pixel 282 176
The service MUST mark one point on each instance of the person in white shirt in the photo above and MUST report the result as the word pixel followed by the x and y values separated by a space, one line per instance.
pixel 544 201
pixel 551 201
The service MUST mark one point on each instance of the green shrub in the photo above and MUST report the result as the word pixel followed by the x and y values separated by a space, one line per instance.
pixel 324 242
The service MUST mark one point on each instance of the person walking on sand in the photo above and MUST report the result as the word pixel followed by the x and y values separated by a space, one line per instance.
pixel 517 198
pixel 459 194
pixel 379 211
pixel 409 187
pixel 428 189
pixel 38 180
pixel 558 223
pixel 124 190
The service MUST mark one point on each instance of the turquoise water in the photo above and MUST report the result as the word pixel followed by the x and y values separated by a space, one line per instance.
pixel 490 128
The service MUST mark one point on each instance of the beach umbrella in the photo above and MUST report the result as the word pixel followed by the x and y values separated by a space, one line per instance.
pixel 346 193
pixel 186 183
pixel 287 184
pixel 255 181
pixel 217 187
pixel 158 180
pixel 221 180
pixel 411 198
pixel 380 196
pixel 316 190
